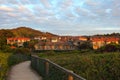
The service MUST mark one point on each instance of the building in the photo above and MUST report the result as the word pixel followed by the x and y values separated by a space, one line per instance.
pixel 48 39
pixel 98 42
pixel 40 38
pixel 54 46
pixel 82 38
pixel 55 39
pixel 18 41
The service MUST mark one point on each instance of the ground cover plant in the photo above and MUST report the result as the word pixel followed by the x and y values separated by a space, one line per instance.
pixel 3 64
pixel 90 65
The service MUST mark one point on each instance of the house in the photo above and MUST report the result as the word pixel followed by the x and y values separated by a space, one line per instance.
pixel 77 40
pixel 40 38
pixel 82 38
pixel 18 41
pixel 65 38
pixel 55 39
pixel 54 46
pixel 98 42
pixel 50 39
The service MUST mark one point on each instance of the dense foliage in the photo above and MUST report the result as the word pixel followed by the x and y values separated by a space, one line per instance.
pixel 3 65
pixel 88 65
pixel 84 45
pixel 30 44
pixel 19 55
pixel 24 51
pixel 4 34
pixel 17 58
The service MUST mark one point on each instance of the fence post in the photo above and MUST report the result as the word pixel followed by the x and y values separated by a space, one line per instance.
pixel 46 68
pixel 70 77
pixel 37 65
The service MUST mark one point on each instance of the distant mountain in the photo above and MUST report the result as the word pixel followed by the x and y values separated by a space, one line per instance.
pixel 29 32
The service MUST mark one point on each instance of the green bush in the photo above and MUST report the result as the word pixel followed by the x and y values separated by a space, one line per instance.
pixel 3 65
pixel 17 58
pixel 24 51
pixel 84 45
pixel 118 47
pixel 6 48
pixel 110 48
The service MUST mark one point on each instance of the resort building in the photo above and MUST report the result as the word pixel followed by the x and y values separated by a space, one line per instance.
pixel 18 41
pixel 54 46
pixel 98 42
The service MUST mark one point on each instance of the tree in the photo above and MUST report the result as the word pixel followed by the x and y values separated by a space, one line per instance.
pixel 30 44
pixel 84 45
pixel 4 34
pixel 112 47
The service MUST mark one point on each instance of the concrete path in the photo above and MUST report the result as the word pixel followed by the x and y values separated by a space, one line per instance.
pixel 23 71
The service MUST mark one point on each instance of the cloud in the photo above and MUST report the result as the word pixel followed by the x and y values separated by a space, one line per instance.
pixel 42 12
pixel 66 4
pixel 46 3
pixel 92 3
pixel 62 16
pixel 116 11
pixel 108 10
pixel 22 8
pixel 11 14
pixel 6 8
pixel 82 11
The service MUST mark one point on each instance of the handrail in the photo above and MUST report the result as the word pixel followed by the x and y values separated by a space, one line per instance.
pixel 64 70
pixel 70 73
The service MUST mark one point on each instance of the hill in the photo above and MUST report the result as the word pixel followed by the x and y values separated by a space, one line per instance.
pixel 29 32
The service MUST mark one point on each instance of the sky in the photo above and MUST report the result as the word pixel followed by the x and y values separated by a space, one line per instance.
pixel 62 17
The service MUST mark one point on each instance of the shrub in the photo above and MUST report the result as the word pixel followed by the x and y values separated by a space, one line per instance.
pixel 91 66
pixel 19 55
pixel 24 51
pixel 118 47
pixel 110 48
pixel 84 45
pixel 7 49
pixel 17 58
pixel 3 65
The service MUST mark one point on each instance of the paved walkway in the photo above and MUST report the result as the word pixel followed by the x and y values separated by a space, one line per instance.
pixel 23 71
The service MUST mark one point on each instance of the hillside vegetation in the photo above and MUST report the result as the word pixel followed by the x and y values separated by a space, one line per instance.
pixel 26 32
pixel 88 65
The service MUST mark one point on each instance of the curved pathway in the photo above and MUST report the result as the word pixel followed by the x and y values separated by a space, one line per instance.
pixel 23 71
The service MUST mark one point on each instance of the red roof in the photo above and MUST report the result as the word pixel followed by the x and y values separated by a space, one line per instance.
pixel 95 39
pixel 18 38
pixel 12 47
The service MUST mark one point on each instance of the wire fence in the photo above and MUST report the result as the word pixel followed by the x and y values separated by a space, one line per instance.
pixel 51 71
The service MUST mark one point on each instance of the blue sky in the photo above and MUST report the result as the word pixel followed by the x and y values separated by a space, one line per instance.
pixel 63 17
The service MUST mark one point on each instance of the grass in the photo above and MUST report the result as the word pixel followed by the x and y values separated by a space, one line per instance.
pixel 105 66
pixel 3 64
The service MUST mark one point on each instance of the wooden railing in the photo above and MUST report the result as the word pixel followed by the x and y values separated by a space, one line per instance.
pixel 52 71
